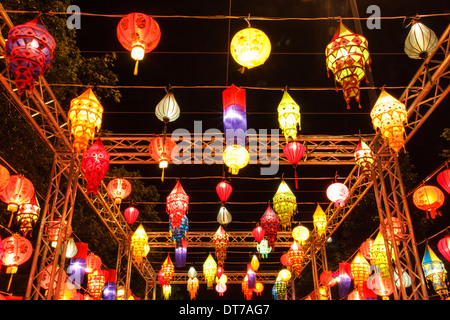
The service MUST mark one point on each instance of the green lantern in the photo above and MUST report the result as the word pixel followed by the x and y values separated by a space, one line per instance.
pixel 284 204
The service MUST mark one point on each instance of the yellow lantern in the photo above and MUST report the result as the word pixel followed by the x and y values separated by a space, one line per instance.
pixel 209 271
pixel 284 204
pixel 85 116
pixel 167 291
pixel 382 260
pixel 364 158
pixel 320 221
pixel 289 116
pixel 254 263
pixel 389 116
pixel 360 271
pixel 323 293
pixel 250 47
pixel 301 234
pixel 235 157
pixel 192 287
pixel 284 275
pixel 139 244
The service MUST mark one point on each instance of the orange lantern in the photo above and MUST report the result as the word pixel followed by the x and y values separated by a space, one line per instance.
pixel 167 270
pixel 17 251
pixel 160 150
pixel 366 250
pixel 4 177
pixel 28 215
pixel 93 262
pixel 220 241
pixel 296 256
pixel 139 244
pixel 55 229
pixel 320 221
pixel 259 288
pixel 119 189
pixel 326 278
pixel 360 271
pixel 246 290
pixel 177 205
pixel 139 34
pixel 338 193
pixel 19 190
pixel 429 198
pixel 192 287
pixel 96 283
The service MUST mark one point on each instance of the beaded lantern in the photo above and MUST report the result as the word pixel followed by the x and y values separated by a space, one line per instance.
pixel 280 287
pixel 95 165
pixel 29 53
pixel 209 271
pixel 296 255
pixel 27 216
pixel 443 178
pixel 347 56
pixel 139 244
pixel 285 204
pixel 118 189
pixel 429 198
pixel 360 271
pixel 294 151
pixel 320 221
pixel 220 241
pixel 139 34
pixel 85 118
pixel 250 47
pixel 178 234
pixel 160 150
pixel 177 205
pixel 248 293
pixel 338 193
pixel 96 283
pixel 289 117
pixel 389 115
pixel 18 191
pixel 270 223
pixel 435 272
pixel 364 158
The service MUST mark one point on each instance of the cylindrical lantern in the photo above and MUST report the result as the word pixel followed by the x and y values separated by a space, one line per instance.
pixel 429 198
pixel 289 116
pixel 17 251
pixel 160 150
pixel 119 189
pixel 320 221
pixel 224 190
pixel 250 47
pixel 443 179
pixel 95 165
pixel 284 275
pixel 345 278
pixel 347 56
pixel 224 216
pixel 285 204
pixel 337 193
pixel 209 271
pixel 85 118
pixel 55 229
pixel 177 205
pixel 234 116
pixel 270 223
pixel 300 234
pixel 29 53
pixel 167 110
pixel 110 290
pixel 294 152
pixel 364 158
pixel 139 244
pixel 131 214
pixel 258 233
pixel 420 42
pixel 28 215
pixel 139 34
pixel 19 190
pixel 444 247
pixel 180 255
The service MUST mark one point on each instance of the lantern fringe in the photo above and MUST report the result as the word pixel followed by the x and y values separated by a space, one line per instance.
pixel 136 68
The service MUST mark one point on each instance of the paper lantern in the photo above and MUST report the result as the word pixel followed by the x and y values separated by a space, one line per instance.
pixel 337 193
pixel 167 271
pixel 109 291
pixel 264 248
pixel 368 294
pixel 71 248
pixel 160 150
pixel 77 266
pixel 139 34
pixel 234 116
pixel 250 47
pixel 4 177
pixel 389 116
pixel 192 287
pixel 254 263
pixel 209 271
pixel 345 278
pixel 236 158
pixel 177 205
pixel 364 158
pixel 294 151
pixel 179 234
pixel 398 228
pixel 289 116
pixel 224 216
pixel 18 191
pixel 366 250
pixel 93 262
pixel 385 288
pixel 355 295
pixel 320 221
pixel 245 289
pixel 285 260
pixel 119 189
pixel 221 288
pixel 281 287
pixel 284 204
pixel 27 216
pixel 57 228
pixel 259 288
pixel 429 198
pixel 29 53
pixel 251 277
pixel 406 279
pixel 95 165
pixel 219 273
pixel 167 291
pixel 270 223
pixel 17 250
pixel 443 179
pixel 96 283
pixel 131 214
pixel 167 110
pixel 347 56
pixel 258 233
pixel 192 273
pixel 85 118
pixel 381 257
pixel 300 234
pixel 220 241
pixel 360 271
pixel 139 244
pixel 420 42
pixel 444 247
pixel 435 272
pixel 224 190
pixel 326 278
pixel 296 255
pixel 284 275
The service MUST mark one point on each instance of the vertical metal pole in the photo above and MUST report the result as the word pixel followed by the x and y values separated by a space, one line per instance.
pixel 128 277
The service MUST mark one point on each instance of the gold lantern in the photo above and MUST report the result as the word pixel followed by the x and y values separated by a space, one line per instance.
pixel 167 291
pixel 360 271
pixel 284 204
pixel 235 157
pixel 139 244
pixel 209 271
pixel 300 234
pixel 289 116
pixel 192 287
pixel 320 221
pixel 389 116
pixel 381 257
pixel 364 158
pixel 85 116
pixel 250 47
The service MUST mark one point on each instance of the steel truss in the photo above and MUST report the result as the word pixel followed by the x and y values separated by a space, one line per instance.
pixel 49 120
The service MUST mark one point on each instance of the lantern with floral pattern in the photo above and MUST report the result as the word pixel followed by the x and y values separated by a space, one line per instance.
pixel 250 47
pixel 28 215
pixel 338 193
pixel 429 198
pixel 220 241
pixel 17 250
pixel 364 158
pixel 270 223
pixel 139 244
pixel 19 190
pixel 160 150
pixel 177 205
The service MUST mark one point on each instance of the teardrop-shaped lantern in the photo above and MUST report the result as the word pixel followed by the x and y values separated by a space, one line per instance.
pixel 224 216
pixel 167 110
pixel 131 214
pixel 294 152
pixel 224 190
pixel 420 42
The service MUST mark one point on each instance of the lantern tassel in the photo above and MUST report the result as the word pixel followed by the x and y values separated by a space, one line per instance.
pixel 136 68
pixel 162 175
pixel 9 282
pixel 296 183
pixel 10 220
pixel 427 70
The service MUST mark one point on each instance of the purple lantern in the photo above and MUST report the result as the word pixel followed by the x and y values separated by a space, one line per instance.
pixel 234 116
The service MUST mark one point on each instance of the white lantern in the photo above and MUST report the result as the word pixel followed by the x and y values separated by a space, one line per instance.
pixel 167 110
pixel 420 42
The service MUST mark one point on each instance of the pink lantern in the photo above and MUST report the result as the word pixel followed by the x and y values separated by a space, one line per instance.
pixel 119 189
pixel 19 190
pixel 444 247
pixel 337 193
pixel 221 288
pixel 443 179
pixel 131 214
pixel 17 251
pixel 366 248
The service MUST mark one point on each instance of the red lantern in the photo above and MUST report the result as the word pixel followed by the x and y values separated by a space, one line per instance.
pixel 96 283
pixel 327 279
pixel 28 215
pixel 270 223
pixel 366 250
pixel 93 262
pixel 19 190
pixel 296 255
pixel 160 150
pixel 443 179
pixel 55 229
pixel 177 205
pixel 139 34
pixel 131 214
pixel 444 247
pixel 167 270
pixel 17 251
pixel 258 233
pixel 429 198
pixel 220 241
pixel 224 190
pixel 119 189
pixel 4 177
pixel 285 261
pixel 29 53
pixel 95 165
pixel 294 152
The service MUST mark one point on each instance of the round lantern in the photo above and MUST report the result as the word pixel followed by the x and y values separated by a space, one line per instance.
pixel 4 177
pixel 420 42
pixel 95 165
pixel 221 288
pixel 284 275
pixel 119 189
pixel 29 53
pixel 17 251
pixel 85 118
pixel 177 205
pixel 258 233
pixel 224 190
pixel 285 204
pixel 224 216
pixel 444 247
pixel 289 117
pixel 326 278
pixel 285 260
pixel 93 262
pixel 429 198
pixel 19 190
pixel 259 288
pixel 300 234
pixel 160 150
pixel 320 221
pixel 443 179
pixel 337 193
pixel 28 215
pixel 139 244
pixel 209 271
pixel 167 110
pixel 384 289
pixel 131 214
pixel 235 157
pixel 364 158
pixel 250 47
pixel 294 151
pixel 139 34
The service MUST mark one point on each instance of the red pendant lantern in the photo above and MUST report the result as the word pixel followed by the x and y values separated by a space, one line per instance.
pixel 270 223
pixel 258 233
pixel 220 241
pixel 285 261
pixel 294 152
pixel 296 255
pixel 17 251
pixel 167 271
pixel 327 279
pixel 177 205
pixel 19 190
pixel 443 179
pixel 95 165
pixel 93 262
pixel 429 198
pixel 444 247
pixel 139 34
pixel 131 214
pixel 119 189
pixel 160 150
pixel 224 190
pixel 28 215
pixel 29 53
